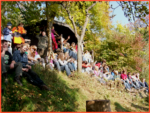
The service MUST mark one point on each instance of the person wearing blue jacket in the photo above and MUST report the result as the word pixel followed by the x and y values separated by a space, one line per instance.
pixel 7 33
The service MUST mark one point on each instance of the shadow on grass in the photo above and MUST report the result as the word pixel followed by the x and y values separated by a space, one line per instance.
pixel 31 98
pixel 119 108
pixel 139 107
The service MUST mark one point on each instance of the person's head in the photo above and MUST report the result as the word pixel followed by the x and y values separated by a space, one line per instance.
pixel 104 71
pixel 9 25
pixel 43 33
pixel 66 54
pixel 96 68
pixel 61 56
pixel 116 72
pixel 33 49
pixel 73 44
pixel 92 63
pixel 58 51
pixel 24 47
pixel 21 24
pixel 138 74
pixel 124 72
pixel 4 44
pixel 53 27
pixel 103 65
pixel 86 51
pixel 129 73
pixel 133 74
pixel 51 55
pixel 104 61
pixel 68 45
pixel 86 62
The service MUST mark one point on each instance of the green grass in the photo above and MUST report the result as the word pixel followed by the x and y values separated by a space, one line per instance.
pixel 68 94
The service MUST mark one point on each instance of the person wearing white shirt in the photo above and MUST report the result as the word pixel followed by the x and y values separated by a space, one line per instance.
pixel 135 80
pixel 63 64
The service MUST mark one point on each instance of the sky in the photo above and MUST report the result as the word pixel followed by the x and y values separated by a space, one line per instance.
pixel 119 15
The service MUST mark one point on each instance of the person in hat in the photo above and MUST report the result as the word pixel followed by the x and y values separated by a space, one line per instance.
pixel 7 32
pixel 7 35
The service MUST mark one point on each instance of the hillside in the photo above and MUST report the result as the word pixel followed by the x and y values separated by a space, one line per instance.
pixel 68 94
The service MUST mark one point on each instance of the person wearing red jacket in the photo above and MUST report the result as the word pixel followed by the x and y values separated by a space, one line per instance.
pixel 86 67
pixel 125 81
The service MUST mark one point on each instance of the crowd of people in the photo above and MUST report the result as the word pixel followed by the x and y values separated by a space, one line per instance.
pixel 19 56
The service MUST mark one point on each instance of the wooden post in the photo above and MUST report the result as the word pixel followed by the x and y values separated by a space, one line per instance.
pixel 61 40
pixel 98 106
pixel 93 54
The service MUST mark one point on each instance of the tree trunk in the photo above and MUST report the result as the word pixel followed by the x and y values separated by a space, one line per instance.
pixel 79 57
pixel 50 19
pixel 98 106
pixel 49 26
pixel 61 42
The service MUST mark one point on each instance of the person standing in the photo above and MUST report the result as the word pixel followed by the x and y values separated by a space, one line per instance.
pixel 18 33
pixel 7 35
pixel 42 43
pixel 54 43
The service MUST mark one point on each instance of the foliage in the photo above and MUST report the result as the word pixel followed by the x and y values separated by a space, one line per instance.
pixel 28 12
pixel 135 9
pixel 99 18
pixel 123 48
pixel 10 13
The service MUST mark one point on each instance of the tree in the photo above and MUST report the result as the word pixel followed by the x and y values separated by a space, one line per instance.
pixel 10 13
pixel 67 7
pixel 81 16
pixel 51 13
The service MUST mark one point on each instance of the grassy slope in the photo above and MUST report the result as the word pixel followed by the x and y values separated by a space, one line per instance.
pixel 68 94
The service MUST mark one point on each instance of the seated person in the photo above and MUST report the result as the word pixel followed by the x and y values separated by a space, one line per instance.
pixel 96 71
pixel 67 57
pixel 105 67
pixel 33 56
pixel 32 77
pixel 64 64
pixel 65 41
pixel 86 68
pixel 130 81
pixel 125 80
pixel 116 75
pixel 146 85
pixel 73 47
pixel 135 81
pixel 112 73
pixel 107 75
pixel 8 64
pixel 139 81
pixel 87 56
pixel 71 53
pixel 51 58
